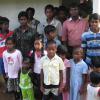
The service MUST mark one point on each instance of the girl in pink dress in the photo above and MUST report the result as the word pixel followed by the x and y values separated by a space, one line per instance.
pixel 62 51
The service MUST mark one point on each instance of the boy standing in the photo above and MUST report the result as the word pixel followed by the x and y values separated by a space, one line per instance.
pixel 91 39
pixel 50 33
pixel 51 73
pixel 24 35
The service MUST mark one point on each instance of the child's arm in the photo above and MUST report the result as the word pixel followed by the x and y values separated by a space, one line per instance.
pixel 5 65
pixel 84 77
pixel 42 80
pixel 61 75
pixel 68 79
pixel 20 59
pixel 99 93
pixel 84 84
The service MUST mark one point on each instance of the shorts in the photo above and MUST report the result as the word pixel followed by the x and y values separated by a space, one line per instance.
pixel 13 85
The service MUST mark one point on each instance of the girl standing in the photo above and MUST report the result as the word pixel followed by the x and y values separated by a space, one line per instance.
pixel 62 51
pixel 12 59
pixel 78 75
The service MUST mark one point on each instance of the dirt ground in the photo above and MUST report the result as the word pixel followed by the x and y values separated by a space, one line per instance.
pixel 3 95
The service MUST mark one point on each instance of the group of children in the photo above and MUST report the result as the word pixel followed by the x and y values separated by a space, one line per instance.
pixel 38 67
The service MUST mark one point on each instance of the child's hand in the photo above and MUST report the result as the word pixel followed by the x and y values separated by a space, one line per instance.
pixel 60 89
pixel 66 88
pixel 42 89
pixel 82 90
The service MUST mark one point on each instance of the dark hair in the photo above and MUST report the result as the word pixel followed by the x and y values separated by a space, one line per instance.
pixel 74 5
pixel 32 9
pixel 95 77
pixel 22 14
pixel 95 62
pixel 38 36
pixel 49 7
pixel 64 9
pixel 50 42
pixel 94 16
pixel 4 20
pixel 27 60
pixel 62 50
pixel 49 28
pixel 10 39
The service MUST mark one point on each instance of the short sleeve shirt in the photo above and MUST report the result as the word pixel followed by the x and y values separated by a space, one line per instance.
pixel 51 68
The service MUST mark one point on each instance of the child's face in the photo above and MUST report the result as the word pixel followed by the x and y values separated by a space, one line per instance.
pixel 10 45
pixel 51 50
pixel 23 21
pixel 62 15
pixel 77 55
pixel 74 12
pixel 38 44
pixel 49 13
pixel 94 24
pixel 63 56
pixel 5 26
pixel 51 35
pixel 30 14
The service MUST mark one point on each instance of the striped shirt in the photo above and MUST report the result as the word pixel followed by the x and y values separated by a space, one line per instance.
pixel 91 42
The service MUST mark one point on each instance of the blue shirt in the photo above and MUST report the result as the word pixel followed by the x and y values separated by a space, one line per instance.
pixel 91 42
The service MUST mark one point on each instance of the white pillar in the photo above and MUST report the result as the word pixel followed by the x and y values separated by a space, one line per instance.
pixel 96 6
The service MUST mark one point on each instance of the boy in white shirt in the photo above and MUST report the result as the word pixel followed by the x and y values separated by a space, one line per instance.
pixel 51 73
pixel 93 89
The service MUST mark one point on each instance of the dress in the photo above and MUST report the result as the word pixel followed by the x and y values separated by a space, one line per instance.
pixel 26 86
pixel 77 70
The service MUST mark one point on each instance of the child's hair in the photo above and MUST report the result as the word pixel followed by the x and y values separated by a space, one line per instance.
pixel 95 62
pixel 4 20
pixel 49 28
pixel 64 9
pixel 95 77
pixel 74 5
pixel 94 16
pixel 22 14
pixel 49 7
pixel 32 9
pixel 78 50
pixel 62 50
pixel 10 39
pixel 50 43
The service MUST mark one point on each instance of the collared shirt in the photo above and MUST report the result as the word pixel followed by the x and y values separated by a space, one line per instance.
pixel 72 31
pixel 36 25
pixel 24 40
pixel 57 25
pixel 91 42
pixel 51 68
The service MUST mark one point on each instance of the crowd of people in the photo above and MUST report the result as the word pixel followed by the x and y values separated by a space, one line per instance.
pixel 55 60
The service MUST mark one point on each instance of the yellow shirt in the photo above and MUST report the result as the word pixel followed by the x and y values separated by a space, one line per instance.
pixel 51 68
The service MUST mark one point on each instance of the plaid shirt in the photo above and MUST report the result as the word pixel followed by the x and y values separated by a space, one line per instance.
pixel 24 40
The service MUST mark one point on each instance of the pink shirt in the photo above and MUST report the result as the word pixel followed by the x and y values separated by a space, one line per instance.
pixel 72 31
pixel 67 65
pixel 12 63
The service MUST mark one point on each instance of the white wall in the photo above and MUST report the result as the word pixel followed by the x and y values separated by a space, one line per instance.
pixel 11 8
pixel 96 6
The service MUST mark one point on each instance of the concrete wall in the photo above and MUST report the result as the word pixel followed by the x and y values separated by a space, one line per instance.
pixel 11 8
